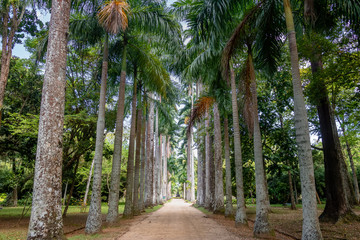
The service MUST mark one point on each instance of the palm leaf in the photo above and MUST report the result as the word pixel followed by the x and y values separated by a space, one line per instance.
pixel 113 16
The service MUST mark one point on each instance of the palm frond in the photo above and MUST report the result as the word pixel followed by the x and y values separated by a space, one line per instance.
pixel 202 105
pixel 232 44
pixel 113 16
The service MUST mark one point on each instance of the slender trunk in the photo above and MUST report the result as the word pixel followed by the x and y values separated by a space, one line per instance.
pixel 200 168
pixel 137 158
pixel 293 205
pixel 353 168
pixel 165 175
pixel 15 189
pixel 240 217
pixel 337 198
pixel 66 186
pixel 46 221
pixel 88 182
pixel 311 227
pixel 192 163
pixel 262 226
pixel 128 210
pixel 150 157
pixel 188 166
pixel 219 180
pixel 169 186
pixel 113 211
pixel 143 163
pixel 159 169
pixel 71 188
pixel 156 159
pixel 94 220
pixel 229 210
pixel 212 175
pixel 207 161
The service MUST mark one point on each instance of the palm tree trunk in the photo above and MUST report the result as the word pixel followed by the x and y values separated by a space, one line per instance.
pixel 143 163
pixel 46 221
pixel 229 210
pixel 159 169
pixel 157 157
pixel 165 175
pixel 113 210
pixel 212 175
pixel 219 181
pixel 188 166
pixel 200 181
pixel 128 210
pixel 149 189
pixel 137 158
pixel 261 226
pixel 88 182
pixel 240 217
pixel 207 161
pixel 311 226
pixel 94 221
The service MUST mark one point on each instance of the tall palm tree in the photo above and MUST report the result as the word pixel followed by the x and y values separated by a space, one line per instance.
pixel 151 20
pixel 112 17
pixel 311 226
pixel 46 221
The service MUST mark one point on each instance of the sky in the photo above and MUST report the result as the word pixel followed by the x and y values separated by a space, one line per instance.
pixel 19 49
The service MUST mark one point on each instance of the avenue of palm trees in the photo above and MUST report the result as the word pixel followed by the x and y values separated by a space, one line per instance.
pixel 214 100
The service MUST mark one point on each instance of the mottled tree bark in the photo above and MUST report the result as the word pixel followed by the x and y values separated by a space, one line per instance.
pixel 311 227
pixel 212 175
pixel 159 169
pixel 240 217
pixel 219 181
pixel 137 159
pixel 128 210
pixel 261 226
pixel 157 158
pixel 149 176
pixel 46 221
pixel 188 165
pixel 229 210
pixel 113 211
pixel 143 165
pixel 94 221
pixel 207 161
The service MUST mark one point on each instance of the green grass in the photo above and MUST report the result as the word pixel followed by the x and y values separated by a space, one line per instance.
pixel 16 212
pixel 153 209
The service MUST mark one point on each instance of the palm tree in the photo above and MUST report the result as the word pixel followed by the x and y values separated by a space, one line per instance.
pixel 46 220
pixel 229 210
pixel 112 17
pixel 311 226
pixel 151 20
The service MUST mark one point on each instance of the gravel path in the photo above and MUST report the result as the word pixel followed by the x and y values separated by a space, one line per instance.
pixel 179 221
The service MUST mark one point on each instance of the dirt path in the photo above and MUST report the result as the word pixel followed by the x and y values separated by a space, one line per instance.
pixel 177 220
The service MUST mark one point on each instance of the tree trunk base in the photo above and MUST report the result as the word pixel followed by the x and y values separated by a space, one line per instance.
pixel 331 217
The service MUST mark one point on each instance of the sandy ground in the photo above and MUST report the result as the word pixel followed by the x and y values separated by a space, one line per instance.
pixel 177 220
